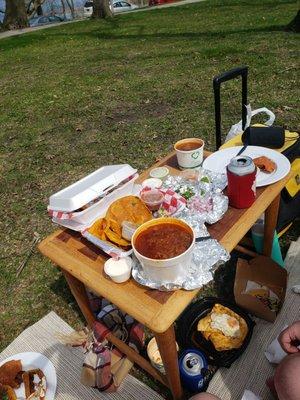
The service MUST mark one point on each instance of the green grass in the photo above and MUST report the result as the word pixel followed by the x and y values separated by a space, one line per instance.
pixel 82 95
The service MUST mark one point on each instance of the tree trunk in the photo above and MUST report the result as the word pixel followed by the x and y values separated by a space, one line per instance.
pixel 64 8
pixel 15 15
pixel 294 25
pixel 39 10
pixel 71 7
pixel 101 9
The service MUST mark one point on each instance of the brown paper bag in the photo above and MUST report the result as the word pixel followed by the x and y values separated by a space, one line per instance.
pixel 260 276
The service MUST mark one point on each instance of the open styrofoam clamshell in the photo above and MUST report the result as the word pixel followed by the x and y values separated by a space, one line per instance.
pixel 89 188
pixel 79 205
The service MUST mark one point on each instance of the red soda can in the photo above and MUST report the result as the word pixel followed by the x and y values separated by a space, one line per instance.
pixel 241 175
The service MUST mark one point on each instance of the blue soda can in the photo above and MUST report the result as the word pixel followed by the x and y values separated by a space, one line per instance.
pixel 193 369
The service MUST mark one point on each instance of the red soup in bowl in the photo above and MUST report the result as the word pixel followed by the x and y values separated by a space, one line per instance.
pixel 163 241
pixel 164 247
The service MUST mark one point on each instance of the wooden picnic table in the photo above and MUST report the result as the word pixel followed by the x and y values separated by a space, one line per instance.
pixel 82 264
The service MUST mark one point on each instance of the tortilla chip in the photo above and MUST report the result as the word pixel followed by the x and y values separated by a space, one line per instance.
pixel 204 325
pixel 114 238
pixel 115 227
pixel 220 341
pixel 97 228
pixel 129 208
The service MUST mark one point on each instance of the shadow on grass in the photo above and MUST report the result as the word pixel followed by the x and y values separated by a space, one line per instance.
pixel 61 289
pixel 247 3
pixel 19 42
pixel 185 35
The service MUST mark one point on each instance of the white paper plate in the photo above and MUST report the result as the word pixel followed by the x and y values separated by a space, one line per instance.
pixel 31 360
pixel 218 161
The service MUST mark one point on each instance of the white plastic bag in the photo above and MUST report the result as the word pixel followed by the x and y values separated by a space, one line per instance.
pixel 237 128
pixel 248 395
pixel 275 353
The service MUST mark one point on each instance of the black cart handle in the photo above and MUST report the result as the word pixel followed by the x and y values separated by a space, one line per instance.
pixel 226 76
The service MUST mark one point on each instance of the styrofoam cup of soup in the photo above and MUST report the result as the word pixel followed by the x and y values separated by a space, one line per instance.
pixel 189 153
pixel 164 247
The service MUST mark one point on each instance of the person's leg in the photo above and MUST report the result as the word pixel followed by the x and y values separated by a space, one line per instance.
pixel 204 396
pixel 271 386
pixel 286 378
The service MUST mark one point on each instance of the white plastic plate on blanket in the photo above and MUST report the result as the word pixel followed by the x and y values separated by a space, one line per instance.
pixel 218 161
pixel 32 360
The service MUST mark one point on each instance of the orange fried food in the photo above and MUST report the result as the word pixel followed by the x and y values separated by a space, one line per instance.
pixel 128 208
pixel 224 328
pixel 265 164
pixel 9 372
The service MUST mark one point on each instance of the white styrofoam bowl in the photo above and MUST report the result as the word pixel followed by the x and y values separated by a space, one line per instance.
pixel 170 269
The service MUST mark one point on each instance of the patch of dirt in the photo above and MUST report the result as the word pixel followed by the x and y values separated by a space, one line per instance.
pixel 125 114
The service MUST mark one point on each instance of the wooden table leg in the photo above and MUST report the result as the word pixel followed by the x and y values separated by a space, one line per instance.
pixel 167 348
pixel 271 215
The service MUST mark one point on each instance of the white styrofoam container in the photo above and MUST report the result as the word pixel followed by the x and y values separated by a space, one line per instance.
pixel 109 248
pixel 84 219
pixel 92 187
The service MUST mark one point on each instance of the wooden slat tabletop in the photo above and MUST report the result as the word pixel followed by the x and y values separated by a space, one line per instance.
pixel 157 310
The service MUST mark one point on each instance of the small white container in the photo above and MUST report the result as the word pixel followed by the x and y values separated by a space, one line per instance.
pixel 128 229
pixel 159 173
pixel 189 158
pixel 118 270
pixel 152 183
pixel 170 269
pixel 153 199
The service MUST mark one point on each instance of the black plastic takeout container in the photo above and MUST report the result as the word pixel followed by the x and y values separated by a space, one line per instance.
pixel 187 335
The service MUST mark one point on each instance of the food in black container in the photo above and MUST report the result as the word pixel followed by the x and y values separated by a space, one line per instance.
pixel 188 335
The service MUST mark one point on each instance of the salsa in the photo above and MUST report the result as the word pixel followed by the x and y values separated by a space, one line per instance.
pixel 162 241
pixel 188 146
pixel 153 199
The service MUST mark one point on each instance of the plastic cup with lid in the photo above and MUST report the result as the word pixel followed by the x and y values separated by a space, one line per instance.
pixel 153 199
pixel 118 270
pixel 128 229
pixel 159 172
pixel 152 183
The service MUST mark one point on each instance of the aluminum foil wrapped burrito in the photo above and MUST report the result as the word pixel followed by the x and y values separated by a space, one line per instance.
pixel 205 202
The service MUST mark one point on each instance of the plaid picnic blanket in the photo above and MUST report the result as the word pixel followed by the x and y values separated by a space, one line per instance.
pixel 104 366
